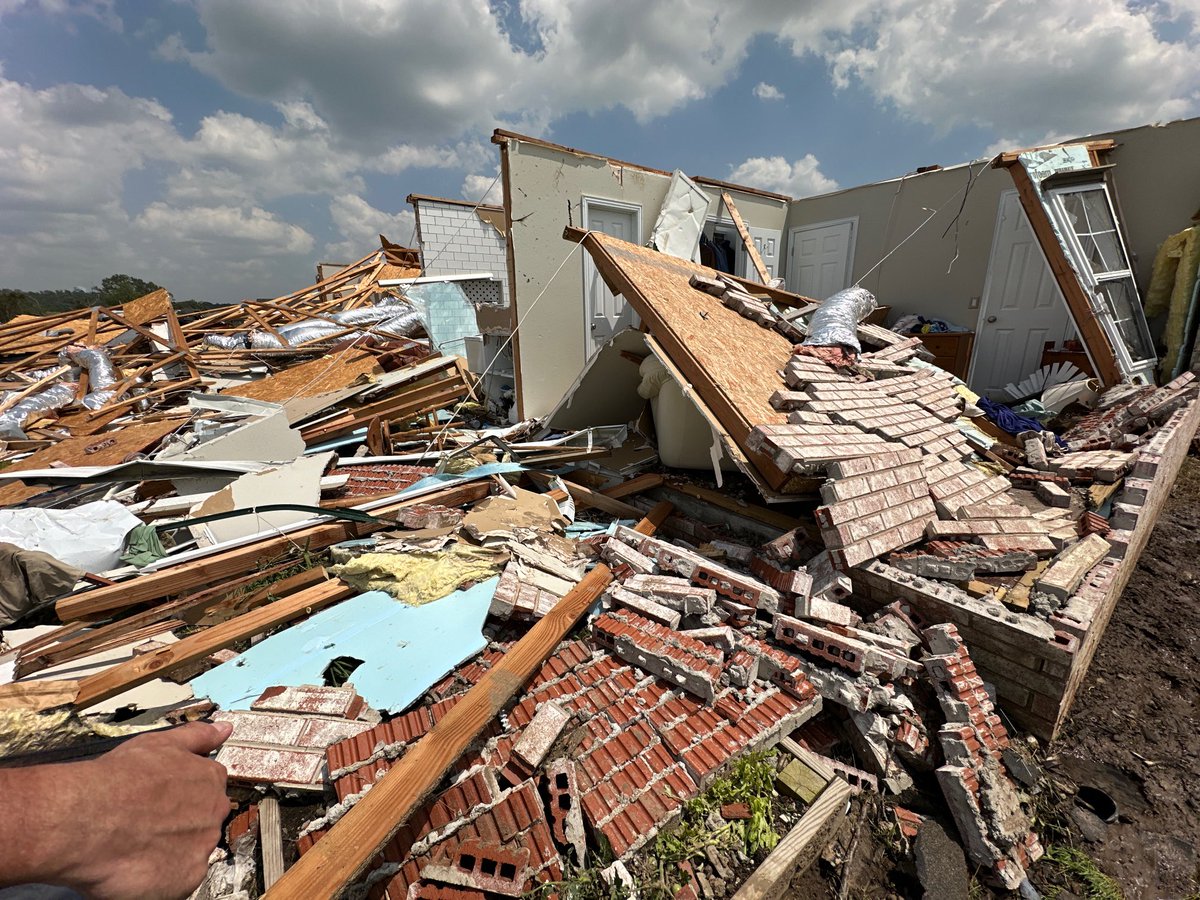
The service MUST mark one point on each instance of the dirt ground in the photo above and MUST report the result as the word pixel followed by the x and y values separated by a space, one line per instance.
pixel 1132 734
pixel 1133 728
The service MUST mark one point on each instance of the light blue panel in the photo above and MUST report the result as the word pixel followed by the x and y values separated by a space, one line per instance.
pixel 485 471
pixel 448 315
pixel 405 649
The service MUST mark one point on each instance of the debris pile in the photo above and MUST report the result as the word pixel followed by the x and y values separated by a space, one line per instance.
pixel 480 659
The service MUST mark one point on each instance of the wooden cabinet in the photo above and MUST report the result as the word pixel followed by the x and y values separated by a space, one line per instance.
pixel 951 350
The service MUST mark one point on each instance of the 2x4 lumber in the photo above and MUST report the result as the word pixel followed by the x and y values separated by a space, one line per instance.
pixel 343 854
pixel 270 837
pixel 759 266
pixel 636 485
pixel 1080 305
pixel 190 575
pixel 20 395
pixel 131 673
pixel 585 497
pixel 800 846
pixel 750 510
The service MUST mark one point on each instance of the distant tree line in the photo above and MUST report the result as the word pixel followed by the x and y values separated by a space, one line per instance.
pixel 114 290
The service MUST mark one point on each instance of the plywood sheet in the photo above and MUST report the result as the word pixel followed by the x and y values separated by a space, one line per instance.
pixel 147 308
pixel 741 358
pixel 318 376
pixel 105 449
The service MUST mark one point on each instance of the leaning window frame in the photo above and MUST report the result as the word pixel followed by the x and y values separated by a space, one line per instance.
pixel 1139 369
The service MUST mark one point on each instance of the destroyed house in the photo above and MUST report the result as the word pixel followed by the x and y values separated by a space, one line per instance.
pixel 749 526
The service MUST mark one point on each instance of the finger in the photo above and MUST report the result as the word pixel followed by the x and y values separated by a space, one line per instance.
pixel 201 738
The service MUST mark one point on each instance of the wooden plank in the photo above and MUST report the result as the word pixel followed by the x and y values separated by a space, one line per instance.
pixel 1099 493
pixel 810 759
pixel 270 837
pixel 759 266
pixel 1018 595
pixel 312 378
pixel 190 575
pixel 131 673
pixel 1100 351
pixel 585 497
pixel 637 485
pixel 344 853
pixel 742 508
pixel 799 847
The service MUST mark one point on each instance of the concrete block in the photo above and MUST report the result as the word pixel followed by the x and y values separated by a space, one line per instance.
pixel 1068 569
pixel 1053 495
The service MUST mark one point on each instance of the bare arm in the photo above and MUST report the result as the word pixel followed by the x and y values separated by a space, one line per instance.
pixel 139 821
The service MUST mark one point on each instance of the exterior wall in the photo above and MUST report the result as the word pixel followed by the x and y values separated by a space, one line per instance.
pixel 455 241
pixel 1157 184
pixel 542 184
pixel 915 279
pixel 1036 666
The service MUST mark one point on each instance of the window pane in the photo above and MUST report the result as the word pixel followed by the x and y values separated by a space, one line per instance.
pixel 1121 299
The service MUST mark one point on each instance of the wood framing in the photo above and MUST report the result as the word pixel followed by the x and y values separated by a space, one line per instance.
pixel 1078 301
pixel 759 266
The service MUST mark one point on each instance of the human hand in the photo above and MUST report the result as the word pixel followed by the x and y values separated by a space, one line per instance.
pixel 139 821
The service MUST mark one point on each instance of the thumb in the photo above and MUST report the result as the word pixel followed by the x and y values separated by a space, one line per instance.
pixel 201 738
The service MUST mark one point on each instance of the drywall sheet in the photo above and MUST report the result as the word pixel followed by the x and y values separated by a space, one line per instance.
pixel 404 649
pixel 681 218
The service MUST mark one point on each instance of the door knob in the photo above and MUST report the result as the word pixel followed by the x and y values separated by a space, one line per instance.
pixel 991 319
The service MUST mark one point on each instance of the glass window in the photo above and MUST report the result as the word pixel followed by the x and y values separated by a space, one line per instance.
pixel 1092 221
pixel 1121 298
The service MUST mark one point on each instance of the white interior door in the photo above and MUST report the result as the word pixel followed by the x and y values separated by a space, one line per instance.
pixel 1022 308
pixel 766 241
pixel 819 258
pixel 605 313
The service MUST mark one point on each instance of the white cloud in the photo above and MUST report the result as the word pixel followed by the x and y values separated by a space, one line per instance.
pixel 483 189
pixel 103 11
pixel 801 178
pixel 248 231
pixel 764 91
pixel 359 224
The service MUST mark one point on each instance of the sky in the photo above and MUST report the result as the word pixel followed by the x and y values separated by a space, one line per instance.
pixel 223 147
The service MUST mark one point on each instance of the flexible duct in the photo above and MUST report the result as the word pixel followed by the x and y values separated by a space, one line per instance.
pixel 102 374
pixel 836 320
pixel 394 318
pixel 54 397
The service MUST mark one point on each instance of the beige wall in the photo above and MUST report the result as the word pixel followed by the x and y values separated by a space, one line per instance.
pixel 1158 184
pixel 915 279
pixel 542 182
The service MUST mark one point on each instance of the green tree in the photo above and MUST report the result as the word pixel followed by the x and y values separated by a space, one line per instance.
pixel 118 289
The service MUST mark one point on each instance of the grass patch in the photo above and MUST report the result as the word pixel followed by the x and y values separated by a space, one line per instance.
pixel 1080 869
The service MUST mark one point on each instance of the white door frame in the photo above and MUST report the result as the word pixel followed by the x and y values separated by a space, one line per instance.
pixel 586 203
pixel 981 319
pixel 850 246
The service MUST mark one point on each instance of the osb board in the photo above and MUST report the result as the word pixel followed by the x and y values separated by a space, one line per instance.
pixel 74 452
pixel 741 358
pixel 389 272
pixel 147 308
pixel 317 376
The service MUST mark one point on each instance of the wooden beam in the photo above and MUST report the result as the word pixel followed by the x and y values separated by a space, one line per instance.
pixel 637 485
pixel 20 395
pixel 585 497
pixel 759 266
pixel 800 846
pixel 270 838
pixel 190 575
pixel 753 511
pixel 1100 351
pixel 343 854
pixel 131 673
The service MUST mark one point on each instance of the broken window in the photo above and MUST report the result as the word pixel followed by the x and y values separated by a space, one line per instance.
pixel 1088 226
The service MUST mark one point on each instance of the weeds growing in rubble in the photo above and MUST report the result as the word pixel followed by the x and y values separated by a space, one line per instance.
pixel 1075 865
pixel 751 781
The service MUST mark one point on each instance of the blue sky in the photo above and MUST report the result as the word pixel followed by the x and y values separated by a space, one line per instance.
pixel 222 147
